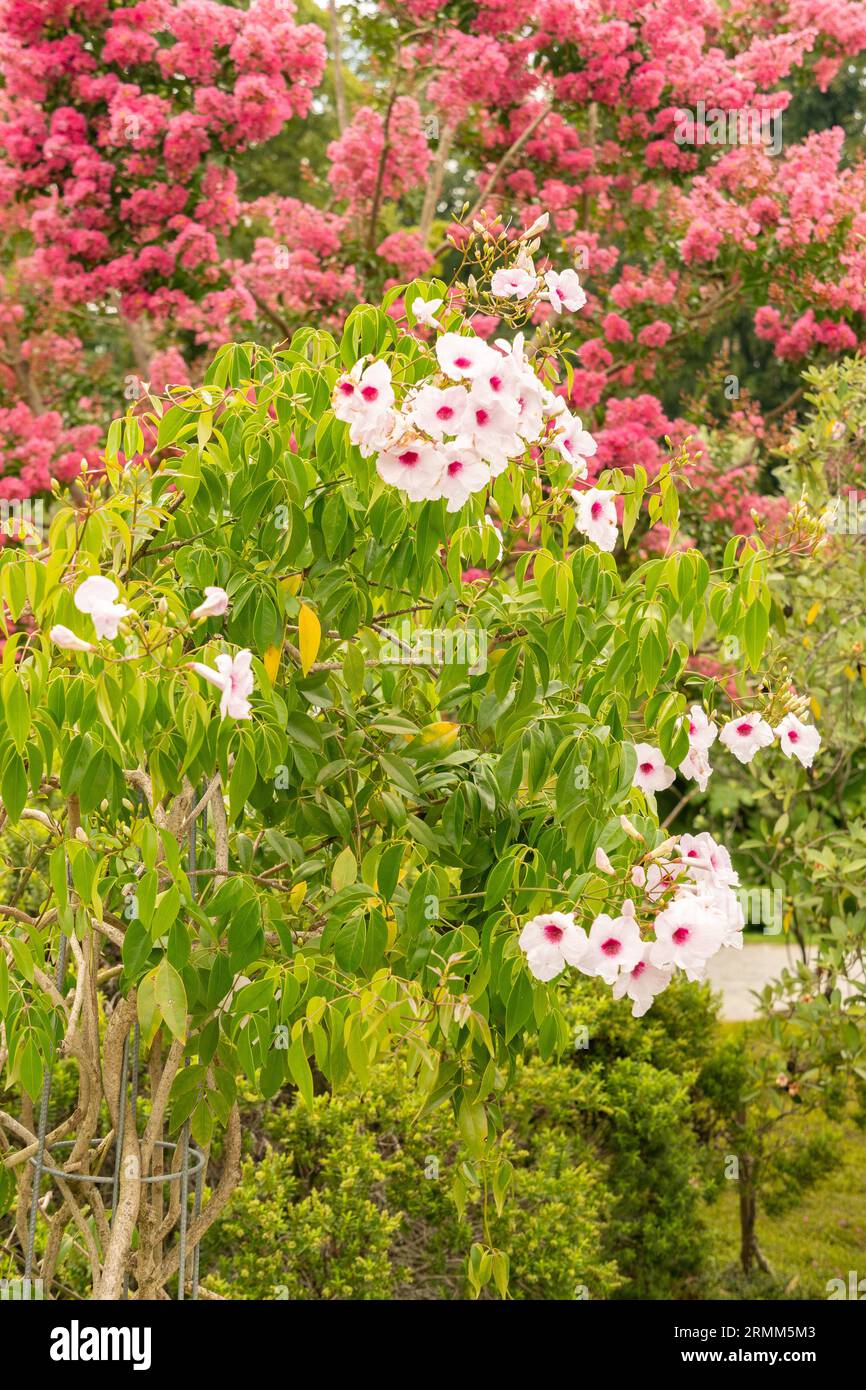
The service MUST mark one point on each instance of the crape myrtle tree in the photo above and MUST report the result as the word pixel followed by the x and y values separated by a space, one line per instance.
pixel 157 205
pixel 425 793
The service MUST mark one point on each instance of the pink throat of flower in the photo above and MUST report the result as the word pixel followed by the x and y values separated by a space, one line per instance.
pixel 370 393
pixel 463 363
pixel 639 969
pixel 745 729
pixel 595 511
pixel 409 458
pixel 681 935
pixel 553 932
pixel 646 769
pixel 444 412
pixel 793 736
pixel 612 946
pixel 454 467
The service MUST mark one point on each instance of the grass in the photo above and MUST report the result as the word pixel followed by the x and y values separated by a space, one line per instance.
pixel 821 1237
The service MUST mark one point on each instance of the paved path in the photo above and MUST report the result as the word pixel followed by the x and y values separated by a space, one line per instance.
pixel 736 973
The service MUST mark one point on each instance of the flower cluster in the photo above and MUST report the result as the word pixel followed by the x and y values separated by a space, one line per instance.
pixel 743 737
pixel 456 431
pixel 688 901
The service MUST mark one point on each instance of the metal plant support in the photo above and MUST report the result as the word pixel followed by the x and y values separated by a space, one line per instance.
pixel 193 1161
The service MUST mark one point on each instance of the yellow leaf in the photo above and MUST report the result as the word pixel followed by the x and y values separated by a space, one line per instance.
pixel 296 897
pixel 850 672
pixel 309 637
pixel 441 732
pixel 863 674
pixel 272 663
pixel 291 584
pixel 812 614
pixel 815 707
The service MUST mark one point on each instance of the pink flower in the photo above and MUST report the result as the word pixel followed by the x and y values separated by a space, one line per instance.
pixel 564 291
pixel 215 604
pixel 614 945
pixel 797 739
pixel 642 982
pixel 596 516
pixel 65 638
pixel 234 678
pixel 96 596
pixel 744 736
pixel 651 774
pixel 550 942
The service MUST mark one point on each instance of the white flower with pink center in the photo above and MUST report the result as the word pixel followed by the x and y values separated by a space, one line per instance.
pixel 798 740
pixel 463 358
pixel 550 942
pixel 614 945
pixel 744 736
pixel 574 443
pixel 702 731
pixel 364 391
pixel 707 861
pixel 415 465
pixel 501 380
pixel 234 678
pixel 491 424
pixel 596 516
pixel 688 931
pixel 652 773
pixel 564 290
pixel 463 473
pixel 437 412
pixel 642 983
pixel 513 282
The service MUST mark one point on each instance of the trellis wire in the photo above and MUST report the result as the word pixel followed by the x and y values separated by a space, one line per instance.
pixel 186 1148
pixel 43 1109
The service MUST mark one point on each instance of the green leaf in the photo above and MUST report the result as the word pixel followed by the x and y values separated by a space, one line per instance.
pixel 170 997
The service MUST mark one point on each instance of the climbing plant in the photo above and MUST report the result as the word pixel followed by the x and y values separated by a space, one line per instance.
pixel 349 612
